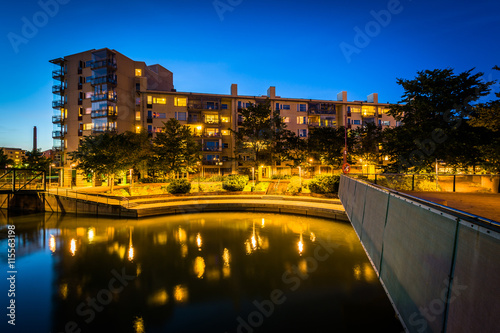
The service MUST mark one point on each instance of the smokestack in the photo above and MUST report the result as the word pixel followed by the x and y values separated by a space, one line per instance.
pixel 34 138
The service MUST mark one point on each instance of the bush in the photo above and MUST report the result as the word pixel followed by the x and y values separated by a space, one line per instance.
pixel 234 182
pixel 281 176
pixel 179 186
pixel 324 184
pixel 294 186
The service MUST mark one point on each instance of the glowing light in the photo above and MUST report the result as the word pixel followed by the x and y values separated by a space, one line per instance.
pixel 254 242
pixel 139 325
pixel 159 298
pixel 52 243
pixel 199 267
pixel 181 235
pixel 63 290
pixel 263 223
pixel 369 273
pixel 357 272
pixel 300 245
pixel 226 257
pixel 91 234
pixel 198 241
pixel 184 250
pixel 73 247
pixel 131 253
pixel 313 237
pixel 181 293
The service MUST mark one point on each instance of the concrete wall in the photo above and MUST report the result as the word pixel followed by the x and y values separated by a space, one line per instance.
pixel 439 271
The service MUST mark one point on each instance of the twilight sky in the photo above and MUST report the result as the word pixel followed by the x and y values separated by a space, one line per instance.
pixel 307 49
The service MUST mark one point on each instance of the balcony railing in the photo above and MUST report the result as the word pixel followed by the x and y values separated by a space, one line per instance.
pixel 58 134
pixel 212 148
pixel 203 106
pixel 103 113
pixel 57 119
pixel 103 97
pixel 102 63
pixel 58 74
pixel 57 104
pixel 97 130
pixel 212 122
pixel 58 89
pixel 211 162
pixel 106 79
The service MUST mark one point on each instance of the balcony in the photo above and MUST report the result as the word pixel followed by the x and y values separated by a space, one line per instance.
pixel 211 162
pixel 58 89
pixel 102 63
pixel 206 148
pixel 103 97
pixel 57 119
pixel 58 134
pixel 57 104
pixel 212 122
pixel 103 113
pixel 203 106
pixel 58 74
pixel 99 130
pixel 106 79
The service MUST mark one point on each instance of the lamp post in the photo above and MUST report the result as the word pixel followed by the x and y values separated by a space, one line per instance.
pixel 253 176
pixel 300 176
pixel 71 175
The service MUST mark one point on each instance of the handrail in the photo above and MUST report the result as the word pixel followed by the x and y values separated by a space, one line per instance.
pixel 476 219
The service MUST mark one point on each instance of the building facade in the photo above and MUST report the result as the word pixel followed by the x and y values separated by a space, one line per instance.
pixel 15 154
pixel 104 91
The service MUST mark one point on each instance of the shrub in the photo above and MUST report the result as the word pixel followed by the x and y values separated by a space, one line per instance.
pixel 234 182
pixel 179 186
pixel 324 184
pixel 281 176
pixel 294 186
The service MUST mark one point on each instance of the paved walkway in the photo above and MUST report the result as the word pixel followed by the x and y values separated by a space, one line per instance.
pixel 482 204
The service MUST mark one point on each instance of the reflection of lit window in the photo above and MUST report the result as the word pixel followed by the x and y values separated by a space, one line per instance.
pixel 181 293
pixel 301 245
pixel 357 272
pixel 139 325
pixel 131 253
pixel 52 243
pixel 138 72
pixel 181 235
pixel 158 298
pixel 199 267
pixel 313 237
pixel 198 241
pixel 63 290
pixel 91 234
pixel 73 246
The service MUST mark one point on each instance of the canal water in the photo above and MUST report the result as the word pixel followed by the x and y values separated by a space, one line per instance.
pixel 215 272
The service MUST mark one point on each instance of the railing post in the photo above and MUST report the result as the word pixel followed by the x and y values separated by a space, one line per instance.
pixel 413 182
pixel 454 182
pixel 375 179
pixel 14 180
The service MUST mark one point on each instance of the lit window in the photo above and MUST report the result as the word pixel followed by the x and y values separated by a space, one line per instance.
pixel 138 129
pixel 286 119
pixel 301 120
pixel 87 127
pixel 180 101
pixel 138 115
pixel 138 72
pixel 225 132
pixel 150 99
pixel 160 100
pixel 224 119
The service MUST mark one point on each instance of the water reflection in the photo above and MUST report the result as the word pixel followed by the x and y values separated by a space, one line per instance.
pixel 195 273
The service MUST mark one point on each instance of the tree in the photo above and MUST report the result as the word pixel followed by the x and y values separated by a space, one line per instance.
pixel 5 160
pixel 326 144
pixel 262 138
pixel 35 160
pixel 175 149
pixel 434 108
pixel 367 143
pixel 106 153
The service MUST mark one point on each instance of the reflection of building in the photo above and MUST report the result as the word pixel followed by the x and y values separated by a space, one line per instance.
pixel 104 91
pixel 15 154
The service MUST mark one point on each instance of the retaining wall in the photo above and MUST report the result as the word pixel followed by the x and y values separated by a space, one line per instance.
pixel 440 271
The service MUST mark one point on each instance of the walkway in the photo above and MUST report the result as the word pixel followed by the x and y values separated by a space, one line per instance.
pixel 482 204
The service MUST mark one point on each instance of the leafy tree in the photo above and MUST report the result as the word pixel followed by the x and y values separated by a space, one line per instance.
pixel 106 153
pixel 5 160
pixel 434 107
pixel 297 150
pixel 35 160
pixel 367 143
pixel 326 144
pixel 263 137
pixel 175 149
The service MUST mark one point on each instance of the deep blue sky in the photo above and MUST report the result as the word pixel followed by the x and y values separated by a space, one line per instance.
pixel 293 45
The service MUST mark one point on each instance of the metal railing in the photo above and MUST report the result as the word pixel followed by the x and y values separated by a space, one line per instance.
pixel 22 180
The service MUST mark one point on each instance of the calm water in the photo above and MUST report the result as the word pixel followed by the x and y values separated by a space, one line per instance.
pixel 220 272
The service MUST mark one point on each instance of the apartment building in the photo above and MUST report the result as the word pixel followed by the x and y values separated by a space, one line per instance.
pixel 103 90
pixel 15 154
